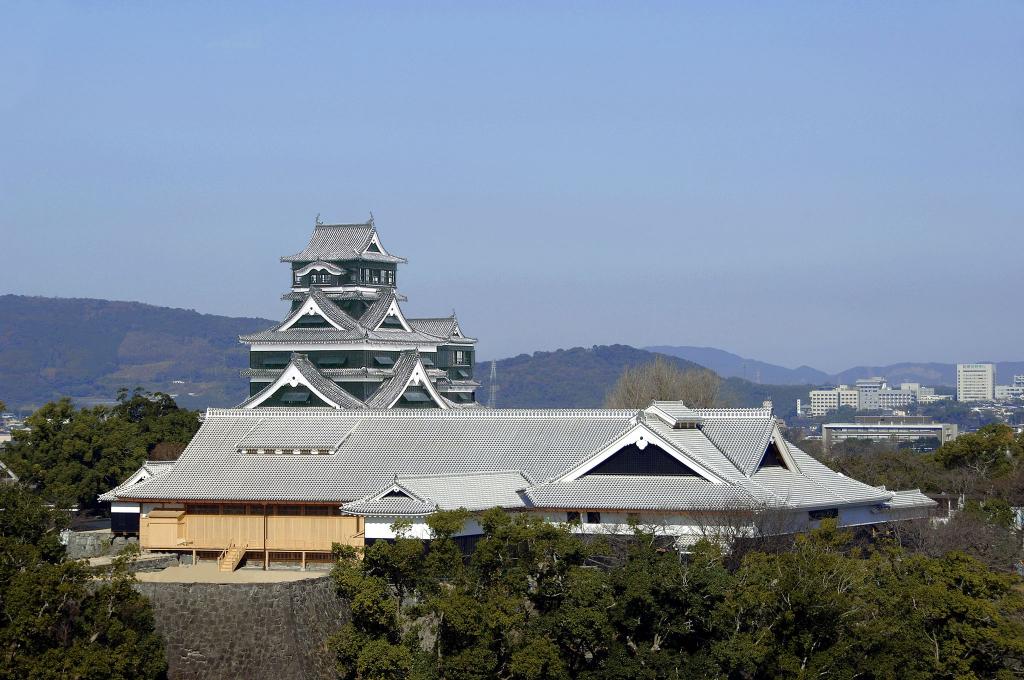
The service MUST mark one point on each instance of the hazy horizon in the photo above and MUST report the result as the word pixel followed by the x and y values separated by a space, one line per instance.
pixel 792 183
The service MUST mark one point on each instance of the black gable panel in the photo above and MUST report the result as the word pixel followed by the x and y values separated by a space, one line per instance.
pixel 772 458
pixel 651 460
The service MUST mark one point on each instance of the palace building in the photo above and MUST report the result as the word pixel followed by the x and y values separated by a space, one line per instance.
pixel 346 344
pixel 359 417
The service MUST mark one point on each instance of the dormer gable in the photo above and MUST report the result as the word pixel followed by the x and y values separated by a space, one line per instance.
pixel 641 451
pixel 317 309
pixel 410 387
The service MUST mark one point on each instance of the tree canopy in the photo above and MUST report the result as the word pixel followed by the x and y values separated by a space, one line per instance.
pixel 56 620
pixel 531 603
pixel 71 455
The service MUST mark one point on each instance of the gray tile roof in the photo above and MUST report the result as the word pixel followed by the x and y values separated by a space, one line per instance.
pixel 378 310
pixel 449 458
pixel 347 294
pixel 441 327
pixel 427 493
pixel 390 507
pixel 392 389
pixel 374 446
pixel 336 242
pixel 633 492
pixel 326 387
pixel 151 468
pixel 331 311
pixel 910 498
pixel 332 336
pixel 472 491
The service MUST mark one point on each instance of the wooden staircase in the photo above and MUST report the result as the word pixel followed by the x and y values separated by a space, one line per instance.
pixel 230 557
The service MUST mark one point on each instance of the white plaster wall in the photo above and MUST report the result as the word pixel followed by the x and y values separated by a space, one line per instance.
pixel 380 527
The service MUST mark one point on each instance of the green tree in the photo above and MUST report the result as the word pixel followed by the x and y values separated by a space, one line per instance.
pixel 993 450
pixel 56 620
pixel 72 455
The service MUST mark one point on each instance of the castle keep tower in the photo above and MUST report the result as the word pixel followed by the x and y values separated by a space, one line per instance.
pixel 346 343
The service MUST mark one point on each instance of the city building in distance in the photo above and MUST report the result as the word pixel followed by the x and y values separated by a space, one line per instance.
pixel 870 394
pixel 975 382
pixel 894 429
pixel 1013 391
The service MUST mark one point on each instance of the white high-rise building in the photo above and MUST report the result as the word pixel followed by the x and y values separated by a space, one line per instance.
pixel 975 382
pixel 868 393
pixel 823 401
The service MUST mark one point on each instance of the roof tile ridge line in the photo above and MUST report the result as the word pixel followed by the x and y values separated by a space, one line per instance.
pixel 248 432
pixel 323 299
pixel 344 437
pixel 324 411
pixel 474 473
pixel 713 443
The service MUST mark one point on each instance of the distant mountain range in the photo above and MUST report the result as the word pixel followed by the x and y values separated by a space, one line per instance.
pixel 727 364
pixel 88 349
pixel 581 377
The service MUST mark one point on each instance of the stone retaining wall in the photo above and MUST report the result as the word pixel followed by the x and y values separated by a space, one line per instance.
pixel 252 630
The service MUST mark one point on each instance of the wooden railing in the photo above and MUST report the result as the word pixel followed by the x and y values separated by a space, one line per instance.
pixel 230 557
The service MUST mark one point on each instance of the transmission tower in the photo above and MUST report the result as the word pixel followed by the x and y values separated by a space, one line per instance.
pixel 492 389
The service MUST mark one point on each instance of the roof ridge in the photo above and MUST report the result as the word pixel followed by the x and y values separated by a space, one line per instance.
pixel 472 473
pixel 323 411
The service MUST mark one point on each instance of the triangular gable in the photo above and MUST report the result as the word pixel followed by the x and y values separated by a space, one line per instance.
pixel 778 447
pixel 641 437
pixel 395 312
pixel 420 381
pixel 373 245
pixel 415 376
pixel 394 490
pixel 292 377
pixel 772 458
pixel 309 307
pixel 649 461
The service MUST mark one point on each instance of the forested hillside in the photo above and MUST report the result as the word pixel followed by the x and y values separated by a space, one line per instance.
pixel 87 349
pixel 581 377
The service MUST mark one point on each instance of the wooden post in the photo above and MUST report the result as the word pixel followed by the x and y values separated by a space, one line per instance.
pixel 194 557
pixel 303 560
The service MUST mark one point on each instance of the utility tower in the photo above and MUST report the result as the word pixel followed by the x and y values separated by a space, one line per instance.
pixel 492 390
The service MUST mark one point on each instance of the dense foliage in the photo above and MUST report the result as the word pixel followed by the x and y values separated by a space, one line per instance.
pixel 72 455
pixel 530 604
pixel 56 620
pixel 984 468
pixel 55 347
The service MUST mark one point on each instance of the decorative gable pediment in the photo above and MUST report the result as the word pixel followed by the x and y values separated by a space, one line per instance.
pixel 394 318
pixel 640 451
pixel 309 310
pixel 295 385
pixel 777 454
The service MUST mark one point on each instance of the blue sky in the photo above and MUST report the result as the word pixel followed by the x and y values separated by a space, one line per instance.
pixel 821 183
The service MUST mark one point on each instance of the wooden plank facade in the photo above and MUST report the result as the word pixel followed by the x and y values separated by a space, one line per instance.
pixel 283 528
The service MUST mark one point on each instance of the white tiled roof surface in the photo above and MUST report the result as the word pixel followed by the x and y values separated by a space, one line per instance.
pixel 473 491
pixel 449 459
pixel 635 492
pixel 374 446
pixel 334 242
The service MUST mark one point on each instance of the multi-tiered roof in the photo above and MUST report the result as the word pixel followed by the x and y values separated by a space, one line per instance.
pixel 346 343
